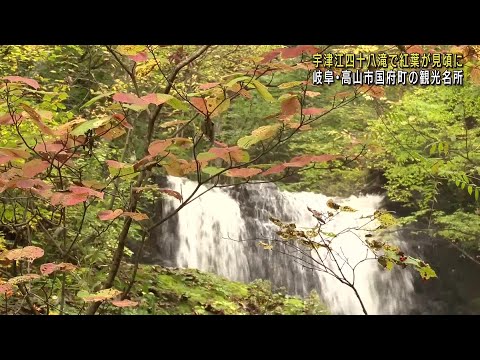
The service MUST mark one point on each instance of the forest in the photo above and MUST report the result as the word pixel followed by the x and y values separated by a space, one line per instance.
pixel 239 180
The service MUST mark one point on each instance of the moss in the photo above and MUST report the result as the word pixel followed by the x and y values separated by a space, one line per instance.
pixel 165 291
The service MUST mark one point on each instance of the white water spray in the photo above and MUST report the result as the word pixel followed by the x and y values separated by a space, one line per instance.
pixel 216 231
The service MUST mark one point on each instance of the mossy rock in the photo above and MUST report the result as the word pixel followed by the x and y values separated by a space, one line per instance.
pixel 171 291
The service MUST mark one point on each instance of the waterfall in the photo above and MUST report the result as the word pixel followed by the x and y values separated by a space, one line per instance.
pixel 220 232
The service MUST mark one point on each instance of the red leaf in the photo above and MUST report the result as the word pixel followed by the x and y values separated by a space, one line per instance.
pixel 270 56
pixel 17 153
pixel 136 216
pixel 314 111
pixel 24 183
pixel 291 106
pixel 47 269
pixel 29 253
pixel 245 173
pixel 5 158
pixel 109 214
pixel 173 193
pixel 220 152
pixel 124 303
pixel 129 99
pixel 37 120
pixel 29 184
pixel 208 86
pixel 143 161
pixel 34 167
pixel 80 190
pixel 8 120
pixel 115 164
pixel 293 52
pixel 298 163
pixel 6 290
pixel 200 105
pixel 159 146
pixel 49 148
pixel 74 199
pixel 415 49
pixel 323 158
pixel 140 57
pixel 274 169
pixel 302 160
pixel 121 119
pixel 67 198
pixel 66 267
pixel 24 80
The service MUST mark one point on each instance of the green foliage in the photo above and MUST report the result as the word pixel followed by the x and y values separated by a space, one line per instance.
pixel 428 146
pixel 188 291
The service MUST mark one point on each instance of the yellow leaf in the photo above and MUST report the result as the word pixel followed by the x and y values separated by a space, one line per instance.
pixel 266 132
pixel 265 245
pixel 130 49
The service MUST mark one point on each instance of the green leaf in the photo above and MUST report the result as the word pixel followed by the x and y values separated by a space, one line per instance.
pixel 285 97
pixel 463 185
pixel 89 125
pixel 177 104
pixel 476 194
pixel 96 98
pixel 83 293
pixel 470 189
pixel 457 182
pixel 102 295
pixel 212 170
pixel 263 91
pixel 433 149
pixel 427 272
pixel 206 156
pixel 125 173
pixel 236 80
pixel 247 141
pixel 136 108
pixel 170 100
pixel 224 105
pixel 289 84
pixel 440 148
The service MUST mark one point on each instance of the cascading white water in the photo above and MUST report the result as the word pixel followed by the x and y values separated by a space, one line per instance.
pixel 220 230
pixel 350 250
